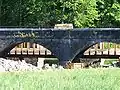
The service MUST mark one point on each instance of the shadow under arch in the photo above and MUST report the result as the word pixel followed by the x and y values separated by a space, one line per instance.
pixel 106 46
pixel 12 46
pixel 81 52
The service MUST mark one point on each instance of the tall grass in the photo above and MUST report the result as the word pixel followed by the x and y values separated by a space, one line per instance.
pixel 82 79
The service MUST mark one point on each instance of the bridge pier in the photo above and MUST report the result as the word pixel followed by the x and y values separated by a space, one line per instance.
pixel 63 63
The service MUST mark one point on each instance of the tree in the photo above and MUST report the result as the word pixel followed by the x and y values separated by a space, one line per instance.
pixel 81 13
pixel 84 12
pixel 47 13
pixel 0 10
pixel 109 11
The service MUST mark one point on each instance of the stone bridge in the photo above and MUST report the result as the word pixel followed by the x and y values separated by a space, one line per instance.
pixel 66 45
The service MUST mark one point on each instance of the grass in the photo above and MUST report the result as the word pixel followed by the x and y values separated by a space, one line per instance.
pixel 109 61
pixel 82 79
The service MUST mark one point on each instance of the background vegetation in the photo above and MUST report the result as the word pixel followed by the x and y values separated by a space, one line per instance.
pixel 46 13
pixel 83 79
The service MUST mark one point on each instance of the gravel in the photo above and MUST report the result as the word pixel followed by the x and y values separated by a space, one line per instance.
pixel 11 65
pixel 7 65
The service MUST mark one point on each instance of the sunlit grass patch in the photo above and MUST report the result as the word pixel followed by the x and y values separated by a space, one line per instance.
pixel 82 79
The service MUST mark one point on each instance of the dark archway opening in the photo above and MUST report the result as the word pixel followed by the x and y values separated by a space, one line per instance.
pixel 100 54
pixel 32 53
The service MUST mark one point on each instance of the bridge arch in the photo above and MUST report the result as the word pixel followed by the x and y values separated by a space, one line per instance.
pixel 30 53
pixel 110 47
pixel 82 49
pixel 26 46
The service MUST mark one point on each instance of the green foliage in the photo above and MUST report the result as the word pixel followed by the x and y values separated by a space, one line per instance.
pixel 111 45
pixel 85 13
pixel 109 11
pixel 109 61
pixel 47 13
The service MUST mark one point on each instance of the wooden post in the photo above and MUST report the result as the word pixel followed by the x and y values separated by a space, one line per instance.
pixel 45 52
pixel 21 47
pixel 108 48
pixel 33 48
pixel 15 50
pixel 96 47
pixel 28 47
pixel 102 48
pixel 102 45
pixel 89 50
pixel 39 49
pixel 114 49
